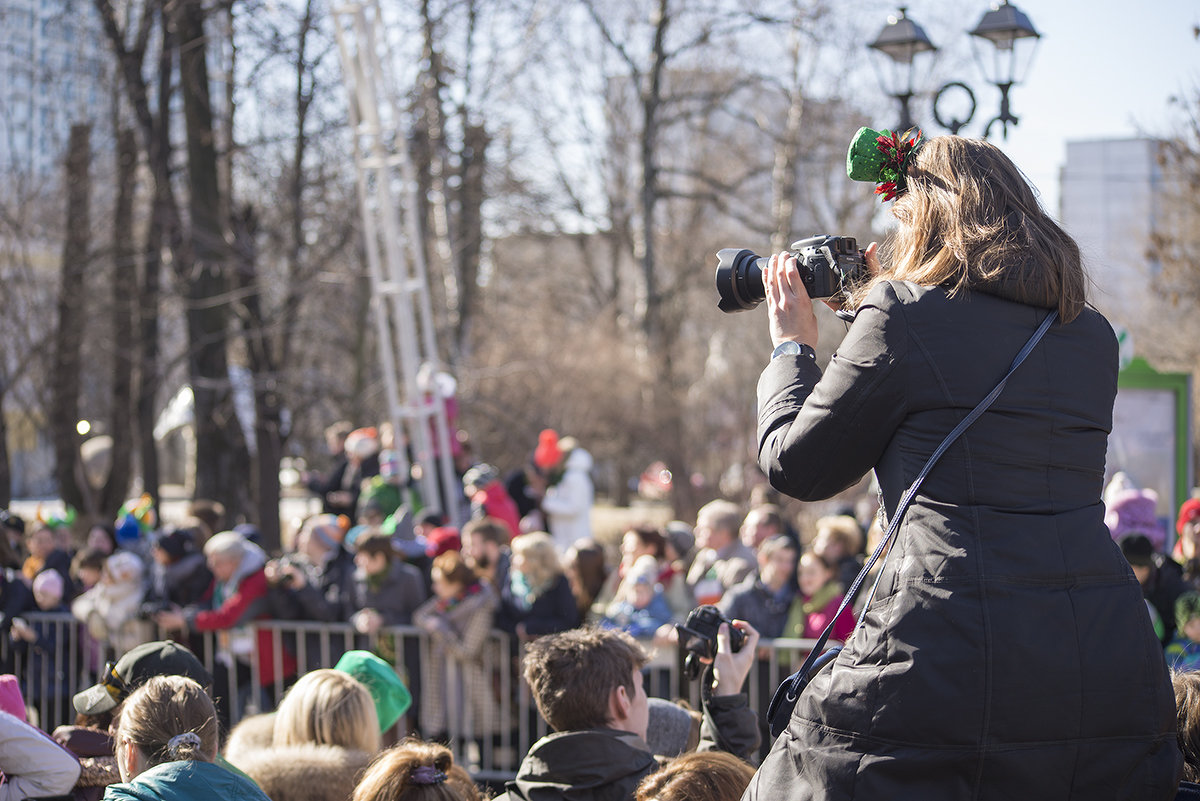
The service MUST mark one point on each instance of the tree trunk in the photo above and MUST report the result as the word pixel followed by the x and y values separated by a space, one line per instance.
pixel 268 401
pixel 123 310
pixel 469 245
pixel 68 341
pixel 5 464
pixel 222 472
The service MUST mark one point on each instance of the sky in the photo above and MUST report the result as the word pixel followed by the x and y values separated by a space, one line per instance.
pixel 1104 69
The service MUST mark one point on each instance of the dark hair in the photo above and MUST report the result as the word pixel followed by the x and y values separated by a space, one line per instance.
pixel 374 542
pixel 455 569
pixel 651 537
pixel 711 775
pixel 572 674
pixel 591 569
pixel 390 776
pixel 491 529
pixel 1187 719
pixel 88 557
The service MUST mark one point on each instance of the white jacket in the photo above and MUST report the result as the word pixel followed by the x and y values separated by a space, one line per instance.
pixel 33 764
pixel 568 504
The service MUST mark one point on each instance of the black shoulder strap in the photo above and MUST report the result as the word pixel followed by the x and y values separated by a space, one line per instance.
pixel 784 701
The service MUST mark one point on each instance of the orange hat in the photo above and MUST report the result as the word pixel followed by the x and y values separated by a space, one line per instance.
pixel 547 453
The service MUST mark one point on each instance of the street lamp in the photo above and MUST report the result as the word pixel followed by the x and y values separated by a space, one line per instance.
pixel 901 41
pixel 1013 41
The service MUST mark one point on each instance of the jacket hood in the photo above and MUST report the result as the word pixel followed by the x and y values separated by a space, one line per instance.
pixel 579 459
pixel 306 772
pixel 252 561
pixel 186 781
pixel 592 765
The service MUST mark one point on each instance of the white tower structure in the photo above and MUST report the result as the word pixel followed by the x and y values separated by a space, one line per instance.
pixel 387 193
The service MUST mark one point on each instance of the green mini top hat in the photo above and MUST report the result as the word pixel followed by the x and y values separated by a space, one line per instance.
pixel 882 157
pixel 392 699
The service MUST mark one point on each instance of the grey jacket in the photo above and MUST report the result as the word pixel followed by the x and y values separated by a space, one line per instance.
pixel 1007 653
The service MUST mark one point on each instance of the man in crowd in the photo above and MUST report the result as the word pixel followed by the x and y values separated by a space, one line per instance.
pixel 764 601
pixel 723 561
pixel 485 547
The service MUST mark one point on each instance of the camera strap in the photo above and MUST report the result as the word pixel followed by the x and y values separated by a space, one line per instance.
pixel 784 700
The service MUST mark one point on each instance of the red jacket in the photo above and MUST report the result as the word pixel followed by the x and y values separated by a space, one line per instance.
pixel 247 602
pixel 496 502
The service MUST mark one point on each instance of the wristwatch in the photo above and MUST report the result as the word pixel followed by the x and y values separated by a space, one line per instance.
pixel 792 348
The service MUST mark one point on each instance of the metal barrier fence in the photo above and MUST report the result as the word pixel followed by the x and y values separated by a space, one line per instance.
pixel 66 660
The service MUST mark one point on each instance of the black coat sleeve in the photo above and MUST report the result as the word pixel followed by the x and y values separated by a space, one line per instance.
pixel 730 725
pixel 818 434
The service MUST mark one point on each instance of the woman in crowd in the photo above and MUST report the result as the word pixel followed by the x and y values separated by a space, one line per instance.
pixel 165 747
pixel 586 570
pixel 325 733
pixel 817 602
pixel 1007 652
pixel 416 771
pixel 537 599
pixel 456 686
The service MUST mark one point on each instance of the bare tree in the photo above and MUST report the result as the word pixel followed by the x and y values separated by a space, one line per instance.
pixel 72 315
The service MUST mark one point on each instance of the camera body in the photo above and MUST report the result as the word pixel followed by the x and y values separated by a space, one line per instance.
pixel 698 636
pixel 829 266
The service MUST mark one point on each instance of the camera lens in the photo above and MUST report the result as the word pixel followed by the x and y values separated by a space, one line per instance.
pixel 739 280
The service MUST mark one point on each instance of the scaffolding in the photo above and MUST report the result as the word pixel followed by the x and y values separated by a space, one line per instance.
pixel 388 200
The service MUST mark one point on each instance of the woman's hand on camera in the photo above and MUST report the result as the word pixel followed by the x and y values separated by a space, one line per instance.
pixel 789 309
pixel 730 669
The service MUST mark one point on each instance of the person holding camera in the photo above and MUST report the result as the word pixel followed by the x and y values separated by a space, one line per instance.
pixel 588 685
pixel 983 666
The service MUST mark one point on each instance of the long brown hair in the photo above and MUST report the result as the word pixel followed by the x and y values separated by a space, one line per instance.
pixel 711 775
pixel 161 709
pixel 390 776
pixel 1187 707
pixel 970 221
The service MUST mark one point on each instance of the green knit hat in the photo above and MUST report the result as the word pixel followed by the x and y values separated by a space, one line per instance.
pixel 882 157
pixel 392 699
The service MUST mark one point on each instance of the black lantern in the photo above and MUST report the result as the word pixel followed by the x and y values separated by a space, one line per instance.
pixel 901 41
pixel 1014 41
pixel 1005 62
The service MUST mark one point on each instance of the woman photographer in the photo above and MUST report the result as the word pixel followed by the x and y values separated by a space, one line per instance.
pixel 1006 652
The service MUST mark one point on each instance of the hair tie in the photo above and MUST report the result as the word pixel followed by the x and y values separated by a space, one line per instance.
pixel 180 740
pixel 427 774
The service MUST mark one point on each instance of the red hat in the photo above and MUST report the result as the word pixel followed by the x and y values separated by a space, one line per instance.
pixel 1188 513
pixel 441 540
pixel 547 453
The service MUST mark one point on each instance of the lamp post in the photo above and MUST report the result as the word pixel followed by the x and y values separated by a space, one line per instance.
pixel 1012 39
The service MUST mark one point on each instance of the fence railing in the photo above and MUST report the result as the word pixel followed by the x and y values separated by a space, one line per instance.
pixel 488 738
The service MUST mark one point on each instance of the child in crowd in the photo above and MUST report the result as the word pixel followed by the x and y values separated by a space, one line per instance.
pixel 324 734
pixel 166 745
pixel 110 610
pixel 640 606
pixel 43 642
pixel 416 771
pixel 1183 653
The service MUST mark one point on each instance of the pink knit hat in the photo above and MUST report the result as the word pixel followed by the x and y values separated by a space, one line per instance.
pixel 11 700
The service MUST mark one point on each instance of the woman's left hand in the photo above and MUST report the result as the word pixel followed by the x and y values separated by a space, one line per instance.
pixel 789 308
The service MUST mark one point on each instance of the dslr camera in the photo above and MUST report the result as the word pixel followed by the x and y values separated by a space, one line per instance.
pixel 698 636
pixel 830 266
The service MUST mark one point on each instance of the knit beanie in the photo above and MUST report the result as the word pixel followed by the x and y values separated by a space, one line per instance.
pixel 11 700
pixel 672 730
